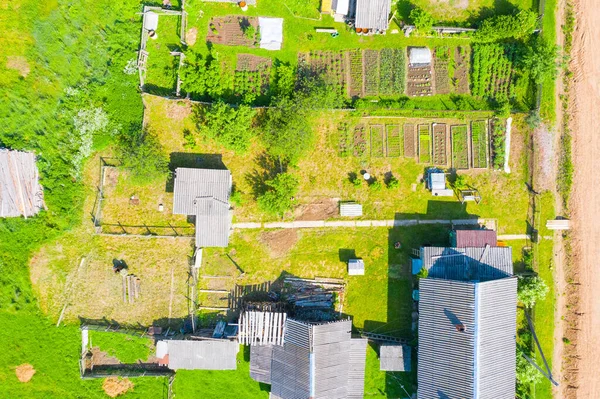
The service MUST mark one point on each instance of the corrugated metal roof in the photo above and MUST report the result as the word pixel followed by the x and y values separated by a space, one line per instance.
pixel 260 363
pixel 191 184
pixel 477 361
pixel 20 191
pixel 475 238
pixel 351 209
pixel 318 361
pixel 466 264
pixel 202 355
pixel 213 222
pixel 373 14
pixel 394 357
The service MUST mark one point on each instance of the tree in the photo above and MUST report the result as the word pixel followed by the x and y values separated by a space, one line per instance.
pixel 201 77
pixel 527 374
pixel 285 80
pixel 141 153
pixel 422 20
pixel 279 196
pixel 229 126
pixel 540 60
pixel 498 27
pixel 530 290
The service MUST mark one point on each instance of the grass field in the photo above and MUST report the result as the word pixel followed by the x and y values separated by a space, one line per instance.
pixel 464 11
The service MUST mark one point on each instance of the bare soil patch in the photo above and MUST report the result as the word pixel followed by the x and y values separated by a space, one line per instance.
pixel 320 210
pixel 18 63
pixel 544 158
pixel 191 36
pixel 178 111
pixel 229 30
pixel 100 358
pixel 461 71
pixel 115 386
pixel 279 242
pixel 419 82
pixel 249 62
pixel 25 372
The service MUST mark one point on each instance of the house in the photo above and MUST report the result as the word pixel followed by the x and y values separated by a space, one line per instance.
pixel 467 324
pixel 473 238
pixel 315 361
pixel 204 194
pixel 373 15
pixel 198 355
pixel 20 191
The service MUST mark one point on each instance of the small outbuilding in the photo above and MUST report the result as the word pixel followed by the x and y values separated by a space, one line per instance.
pixel 373 15
pixel 271 33
pixel 351 209
pixel 356 267
pixel 473 238
pixel 419 56
pixel 20 191
pixel 198 355
pixel 393 357
pixel 436 182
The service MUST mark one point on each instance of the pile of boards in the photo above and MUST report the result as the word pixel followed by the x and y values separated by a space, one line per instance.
pixel 131 288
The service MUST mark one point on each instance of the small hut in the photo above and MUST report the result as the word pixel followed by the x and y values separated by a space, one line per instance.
pixel 356 267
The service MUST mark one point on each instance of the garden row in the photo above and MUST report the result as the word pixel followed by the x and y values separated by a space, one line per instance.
pixel 493 70
pixel 451 69
pixel 457 146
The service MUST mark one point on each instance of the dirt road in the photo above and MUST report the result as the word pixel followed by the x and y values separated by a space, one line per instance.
pixel 585 201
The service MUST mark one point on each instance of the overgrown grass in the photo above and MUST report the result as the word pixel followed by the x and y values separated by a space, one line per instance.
pixel 548 100
pixel 456 13
pixel 126 348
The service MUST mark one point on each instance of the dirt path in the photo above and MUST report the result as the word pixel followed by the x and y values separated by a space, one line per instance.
pixel 585 202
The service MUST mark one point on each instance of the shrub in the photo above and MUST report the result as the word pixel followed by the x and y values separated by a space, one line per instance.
pixel 533 119
pixel 527 374
pixel 236 198
pixel 530 290
pixel 229 126
pixel 87 122
pixel 279 196
pixel 423 273
pixel 539 60
pixel 422 20
pixel 499 27
pixel 392 183
pixel 201 77
pixel 376 186
pixel 142 153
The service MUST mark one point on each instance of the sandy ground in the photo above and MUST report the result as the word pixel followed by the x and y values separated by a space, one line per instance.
pixel 585 203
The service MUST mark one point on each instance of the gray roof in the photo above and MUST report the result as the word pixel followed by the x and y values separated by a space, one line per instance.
pixel 205 194
pixel 466 264
pixel 394 357
pixel 318 361
pixel 373 14
pixel 191 184
pixel 20 191
pixel 260 363
pixel 478 362
pixel 202 355
pixel 419 56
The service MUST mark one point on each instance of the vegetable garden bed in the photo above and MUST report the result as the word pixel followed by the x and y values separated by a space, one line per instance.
pixel 394 141
pixel 462 57
pixel 232 30
pixel 424 143
pixel 479 144
pixel 345 140
pixel 392 69
pixel 492 70
pixel 360 140
pixel 460 150
pixel 354 61
pixel 377 141
pixel 439 144
pixel 332 64
pixel 440 67
pixel 409 140
pixel 371 72
pixel 419 81
pixel 252 75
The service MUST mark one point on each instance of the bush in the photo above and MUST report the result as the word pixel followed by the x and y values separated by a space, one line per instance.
pixel 201 77
pixel 279 196
pixel 376 186
pixel 499 27
pixel 423 273
pixel 533 119
pixel 392 183
pixel 530 290
pixel 540 60
pixel 229 126
pixel 143 155
pixel 527 374
pixel 422 20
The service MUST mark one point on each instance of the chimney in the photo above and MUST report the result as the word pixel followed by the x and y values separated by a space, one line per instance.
pixel 460 327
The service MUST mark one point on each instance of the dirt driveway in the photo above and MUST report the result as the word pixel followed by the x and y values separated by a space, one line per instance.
pixel 585 202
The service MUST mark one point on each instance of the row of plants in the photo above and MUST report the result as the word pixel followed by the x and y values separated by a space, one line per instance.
pixel 479 144
pixel 377 141
pixel 394 140
pixel 492 70
pixel 424 133
pixel 460 156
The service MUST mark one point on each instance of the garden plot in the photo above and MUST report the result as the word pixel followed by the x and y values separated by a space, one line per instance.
pixel 394 140
pixel 345 145
pixel 252 75
pixel 392 68
pixel 233 30
pixel 377 141
pixel 410 147
pixel 371 72
pixel 460 150
pixel 359 140
pixel 492 70
pixel 479 144
pixel 424 143
pixel 441 61
pixel 462 56
pixel 419 81
pixel 331 64
pixel 354 61
pixel 161 66
pixel 440 146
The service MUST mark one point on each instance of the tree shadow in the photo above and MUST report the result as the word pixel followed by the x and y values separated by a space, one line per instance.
pixel 192 160
pixel 266 168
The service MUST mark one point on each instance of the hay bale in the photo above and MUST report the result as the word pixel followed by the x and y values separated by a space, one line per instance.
pixel 115 386
pixel 25 372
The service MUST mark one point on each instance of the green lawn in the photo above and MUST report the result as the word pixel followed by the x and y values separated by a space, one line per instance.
pixel 548 101
pixel 465 12
pixel 161 75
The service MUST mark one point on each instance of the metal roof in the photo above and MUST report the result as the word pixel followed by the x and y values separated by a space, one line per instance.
pixel 373 14
pixel 474 238
pixel 260 363
pixel 393 357
pixel 191 184
pixel 213 222
pixel 467 264
pixel 356 267
pixel 318 361
pixel 467 339
pixel 437 180
pixel 419 56
pixel 202 355
pixel 20 191
pixel 351 209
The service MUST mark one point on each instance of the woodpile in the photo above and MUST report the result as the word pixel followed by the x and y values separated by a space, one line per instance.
pixel 131 288
pixel 317 293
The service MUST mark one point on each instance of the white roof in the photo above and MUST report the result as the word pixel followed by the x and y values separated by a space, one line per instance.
pixel 438 181
pixel 342 7
pixel 271 33
pixel 419 56
pixel 150 20
pixel 356 267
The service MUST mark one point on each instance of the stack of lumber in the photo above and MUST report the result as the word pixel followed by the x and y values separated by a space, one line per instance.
pixel 317 293
pixel 131 288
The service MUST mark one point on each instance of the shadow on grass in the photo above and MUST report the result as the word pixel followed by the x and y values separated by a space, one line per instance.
pixel 194 161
